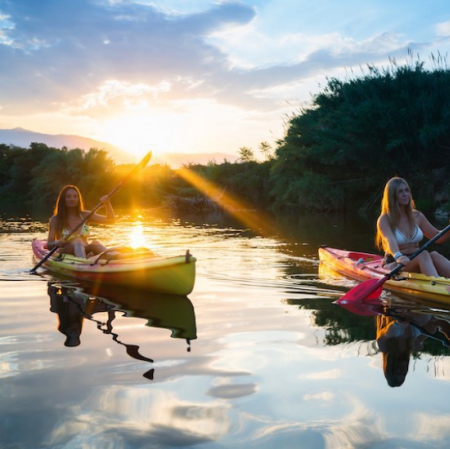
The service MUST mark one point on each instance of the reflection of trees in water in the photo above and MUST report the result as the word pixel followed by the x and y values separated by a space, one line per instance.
pixel 342 327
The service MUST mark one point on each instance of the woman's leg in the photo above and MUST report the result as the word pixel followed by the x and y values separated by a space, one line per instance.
pixel 423 263
pixel 441 263
pixel 95 247
pixel 75 247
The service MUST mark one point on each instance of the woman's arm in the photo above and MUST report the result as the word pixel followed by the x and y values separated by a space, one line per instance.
pixel 109 217
pixel 384 228
pixel 428 229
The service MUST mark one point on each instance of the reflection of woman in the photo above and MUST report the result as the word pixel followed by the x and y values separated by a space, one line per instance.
pixel 69 313
pixel 395 340
pixel 399 335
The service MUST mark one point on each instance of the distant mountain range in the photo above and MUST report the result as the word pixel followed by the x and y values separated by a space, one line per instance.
pixel 23 138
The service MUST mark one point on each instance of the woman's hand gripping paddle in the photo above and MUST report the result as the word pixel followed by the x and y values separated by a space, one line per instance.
pixel 132 173
pixel 372 288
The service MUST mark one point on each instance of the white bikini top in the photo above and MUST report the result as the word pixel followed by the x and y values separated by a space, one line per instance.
pixel 402 240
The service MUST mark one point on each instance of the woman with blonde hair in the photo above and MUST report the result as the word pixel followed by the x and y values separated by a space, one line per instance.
pixel 69 212
pixel 400 229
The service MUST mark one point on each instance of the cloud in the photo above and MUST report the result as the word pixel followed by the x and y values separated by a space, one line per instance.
pixel 323 60
pixel 65 50
pixel 443 29
pixel 69 54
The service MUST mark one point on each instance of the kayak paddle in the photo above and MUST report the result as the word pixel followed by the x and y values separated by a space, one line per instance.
pixel 372 288
pixel 132 173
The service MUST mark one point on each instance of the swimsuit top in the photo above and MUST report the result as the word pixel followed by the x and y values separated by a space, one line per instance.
pixel 402 240
pixel 83 232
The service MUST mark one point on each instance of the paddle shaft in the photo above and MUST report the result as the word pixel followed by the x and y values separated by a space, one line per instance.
pixel 135 170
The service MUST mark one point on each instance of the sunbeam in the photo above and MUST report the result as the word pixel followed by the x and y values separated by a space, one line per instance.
pixel 256 220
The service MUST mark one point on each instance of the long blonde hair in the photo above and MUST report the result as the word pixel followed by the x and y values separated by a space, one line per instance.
pixel 390 207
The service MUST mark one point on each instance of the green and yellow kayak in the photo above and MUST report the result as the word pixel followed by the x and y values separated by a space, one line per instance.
pixel 138 269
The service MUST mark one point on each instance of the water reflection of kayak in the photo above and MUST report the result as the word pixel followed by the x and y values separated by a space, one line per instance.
pixel 364 266
pixel 172 312
pixel 143 269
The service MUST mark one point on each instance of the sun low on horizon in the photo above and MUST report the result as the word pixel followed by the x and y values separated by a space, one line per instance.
pixel 138 128
pixel 186 127
pixel 136 135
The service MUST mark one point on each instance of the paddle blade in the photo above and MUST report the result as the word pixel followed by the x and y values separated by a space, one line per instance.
pixel 145 160
pixel 138 167
pixel 367 290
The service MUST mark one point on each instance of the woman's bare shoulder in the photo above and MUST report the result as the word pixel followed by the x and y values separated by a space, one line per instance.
pixel 418 215
pixel 383 218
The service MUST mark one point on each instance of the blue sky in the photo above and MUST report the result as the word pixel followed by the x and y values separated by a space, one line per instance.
pixel 194 75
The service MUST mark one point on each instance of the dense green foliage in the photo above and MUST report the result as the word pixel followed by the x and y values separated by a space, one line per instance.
pixel 33 177
pixel 359 133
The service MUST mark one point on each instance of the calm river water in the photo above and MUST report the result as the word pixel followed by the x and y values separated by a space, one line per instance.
pixel 257 356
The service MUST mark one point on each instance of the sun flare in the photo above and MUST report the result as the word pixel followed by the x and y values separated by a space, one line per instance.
pixel 245 213
pixel 137 238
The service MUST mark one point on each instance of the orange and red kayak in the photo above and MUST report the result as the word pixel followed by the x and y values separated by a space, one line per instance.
pixel 363 266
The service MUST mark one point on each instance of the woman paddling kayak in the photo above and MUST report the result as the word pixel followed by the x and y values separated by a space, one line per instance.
pixel 69 212
pixel 401 227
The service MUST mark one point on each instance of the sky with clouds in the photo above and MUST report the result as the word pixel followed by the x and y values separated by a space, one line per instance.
pixel 194 75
